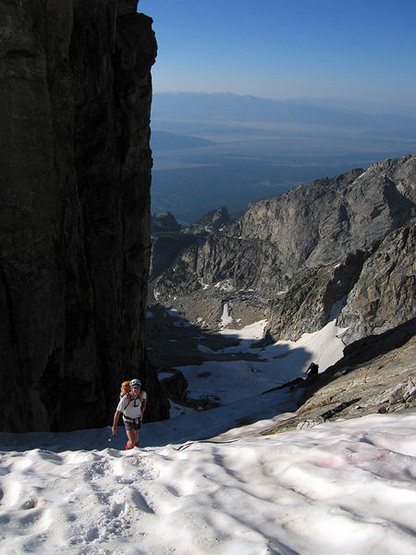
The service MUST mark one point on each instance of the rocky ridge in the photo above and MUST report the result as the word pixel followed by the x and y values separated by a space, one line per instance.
pixel 308 253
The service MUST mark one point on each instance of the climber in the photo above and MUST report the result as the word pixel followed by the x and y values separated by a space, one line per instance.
pixel 312 371
pixel 132 407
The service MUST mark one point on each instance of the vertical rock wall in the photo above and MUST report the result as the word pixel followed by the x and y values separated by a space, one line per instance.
pixel 74 210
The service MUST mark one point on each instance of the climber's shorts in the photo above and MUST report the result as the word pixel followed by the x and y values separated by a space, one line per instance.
pixel 132 423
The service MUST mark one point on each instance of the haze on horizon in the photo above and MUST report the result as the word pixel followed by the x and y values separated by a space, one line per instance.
pixel 329 61
pixel 357 54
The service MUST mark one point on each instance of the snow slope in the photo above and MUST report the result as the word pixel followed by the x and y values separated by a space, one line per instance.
pixel 345 487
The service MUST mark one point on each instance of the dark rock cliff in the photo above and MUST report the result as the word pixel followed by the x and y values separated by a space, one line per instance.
pixel 75 210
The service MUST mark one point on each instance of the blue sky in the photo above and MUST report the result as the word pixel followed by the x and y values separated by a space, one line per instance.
pixel 360 50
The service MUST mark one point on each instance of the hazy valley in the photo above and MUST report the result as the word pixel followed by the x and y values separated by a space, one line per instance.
pixel 214 150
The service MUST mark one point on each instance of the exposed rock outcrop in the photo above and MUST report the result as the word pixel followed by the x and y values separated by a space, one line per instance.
pixel 168 242
pixel 319 223
pixel 385 294
pixel 75 210
pixel 213 221
pixel 315 298
pixel 175 385
pixel 279 239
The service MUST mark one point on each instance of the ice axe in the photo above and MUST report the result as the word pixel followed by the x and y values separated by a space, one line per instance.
pixel 110 438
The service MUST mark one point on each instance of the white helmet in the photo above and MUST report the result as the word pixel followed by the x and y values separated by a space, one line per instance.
pixel 135 383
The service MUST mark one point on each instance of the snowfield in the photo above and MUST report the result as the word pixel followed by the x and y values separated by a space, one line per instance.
pixel 345 487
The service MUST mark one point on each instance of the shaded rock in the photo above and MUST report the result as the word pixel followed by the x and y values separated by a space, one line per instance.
pixel 370 347
pixel 74 211
pixel 312 422
pixel 173 341
pixel 165 221
pixel 312 371
pixel 312 300
pixel 168 242
pixel 174 386
pixel 244 263
pixel 166 246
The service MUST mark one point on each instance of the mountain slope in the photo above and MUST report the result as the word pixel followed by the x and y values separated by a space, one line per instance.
pixel 303 252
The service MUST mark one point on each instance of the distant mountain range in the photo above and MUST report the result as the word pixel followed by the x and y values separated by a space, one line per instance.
pixel 227 107
pixel 211 150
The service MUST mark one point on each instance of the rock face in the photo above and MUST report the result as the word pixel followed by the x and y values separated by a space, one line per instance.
pixel 375 291
pixel 385 294
pixel 315 225
pixel 319 223
pixel 167 242
pixel 74 213
pixel 310 252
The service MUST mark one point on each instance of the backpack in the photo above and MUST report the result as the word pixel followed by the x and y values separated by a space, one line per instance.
pixel 125 390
